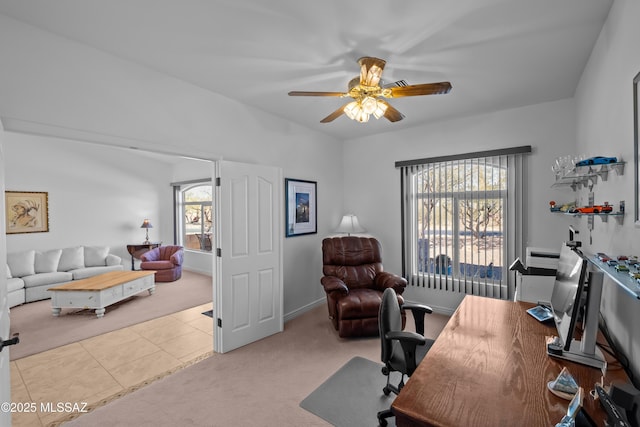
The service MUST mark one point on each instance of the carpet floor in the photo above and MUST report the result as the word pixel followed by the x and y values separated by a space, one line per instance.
pixel 261 384
pixel 40 331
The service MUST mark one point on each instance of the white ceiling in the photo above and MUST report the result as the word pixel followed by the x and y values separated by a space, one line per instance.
pixel 497 54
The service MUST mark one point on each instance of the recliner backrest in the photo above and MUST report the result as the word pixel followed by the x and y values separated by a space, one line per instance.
pixel 355 260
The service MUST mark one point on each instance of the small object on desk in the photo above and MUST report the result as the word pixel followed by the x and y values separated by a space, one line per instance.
pixel 541 313
pixel 564 385
pixel 573 409
pixel 554 346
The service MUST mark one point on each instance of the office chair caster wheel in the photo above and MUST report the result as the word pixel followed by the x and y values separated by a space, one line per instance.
pixel 383 423
pixel 386 391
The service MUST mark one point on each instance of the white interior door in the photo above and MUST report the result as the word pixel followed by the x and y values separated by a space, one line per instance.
pixel 5 380
pixel 248 297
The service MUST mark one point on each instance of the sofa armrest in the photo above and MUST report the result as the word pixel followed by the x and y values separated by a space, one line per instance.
pixel 112 259
pixel 384 280
pixel 332 283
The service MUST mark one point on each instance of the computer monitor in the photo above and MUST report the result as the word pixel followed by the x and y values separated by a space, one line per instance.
pixel 567 293
pixel 566 302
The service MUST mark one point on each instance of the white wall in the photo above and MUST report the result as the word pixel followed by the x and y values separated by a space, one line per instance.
pixel 55 86
pixel 372 184
pixel 97 195
pixel 605 127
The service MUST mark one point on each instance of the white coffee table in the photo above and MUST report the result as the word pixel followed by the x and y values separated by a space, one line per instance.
pixel 100 291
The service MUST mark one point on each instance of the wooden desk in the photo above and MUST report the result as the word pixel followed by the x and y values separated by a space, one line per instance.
pixel 489 367
pixel 135 250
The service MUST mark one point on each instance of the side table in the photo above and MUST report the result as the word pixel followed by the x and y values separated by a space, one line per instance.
pixel 136 250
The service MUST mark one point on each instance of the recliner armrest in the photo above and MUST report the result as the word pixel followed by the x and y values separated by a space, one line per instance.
pixel 332 283
pixel 384 280
pixel 418 311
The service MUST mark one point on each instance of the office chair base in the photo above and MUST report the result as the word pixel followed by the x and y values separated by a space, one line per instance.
pixel 383 415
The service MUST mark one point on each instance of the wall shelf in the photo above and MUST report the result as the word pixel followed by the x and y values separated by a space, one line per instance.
pixel 587 176
pixel 620 277
pixel 619 216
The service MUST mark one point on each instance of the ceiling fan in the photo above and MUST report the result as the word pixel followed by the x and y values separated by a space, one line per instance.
pixel 368 96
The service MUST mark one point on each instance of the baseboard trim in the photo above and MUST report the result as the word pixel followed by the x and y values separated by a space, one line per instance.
pixel 299 311
pixel 196 270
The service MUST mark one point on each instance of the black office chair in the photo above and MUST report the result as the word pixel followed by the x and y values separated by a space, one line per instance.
pixel 402 351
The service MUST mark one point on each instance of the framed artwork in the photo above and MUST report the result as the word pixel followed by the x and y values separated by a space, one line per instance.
pixel 636 152
pixel 301 209
pixel 26 212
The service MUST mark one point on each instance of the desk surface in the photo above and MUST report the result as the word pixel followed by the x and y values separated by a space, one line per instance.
pixel 489 367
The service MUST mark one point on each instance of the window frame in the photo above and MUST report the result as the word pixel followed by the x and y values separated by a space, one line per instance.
pixel 179 204
pixel 513 216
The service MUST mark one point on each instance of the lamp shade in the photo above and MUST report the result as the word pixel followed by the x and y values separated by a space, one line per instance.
pixel 146 224
pixel 350 224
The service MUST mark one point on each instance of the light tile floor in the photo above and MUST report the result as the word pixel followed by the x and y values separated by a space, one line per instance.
pixel 60 381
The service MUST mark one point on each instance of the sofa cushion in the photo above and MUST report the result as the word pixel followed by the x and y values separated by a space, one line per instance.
pixel 83 273
pixel 71 259
pixel 47 262
pixel 22 263
pixel 8 272
pixel 47 279
pixel 95 256
pixel 113 259
pixel 14 284
pixel 157 265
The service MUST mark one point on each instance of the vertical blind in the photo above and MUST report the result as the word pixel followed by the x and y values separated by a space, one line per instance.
pixel 462 220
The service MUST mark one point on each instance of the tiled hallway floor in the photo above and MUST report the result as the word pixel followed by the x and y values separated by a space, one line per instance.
pixel 67 378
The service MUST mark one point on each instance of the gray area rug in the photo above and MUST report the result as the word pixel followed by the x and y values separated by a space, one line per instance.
pixel 353 395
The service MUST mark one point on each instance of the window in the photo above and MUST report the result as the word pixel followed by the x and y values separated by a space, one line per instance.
pixel 195 213
pixel 462 219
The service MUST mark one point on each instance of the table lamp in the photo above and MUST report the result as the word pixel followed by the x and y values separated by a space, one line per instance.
pixel 350 224
pixel 147 225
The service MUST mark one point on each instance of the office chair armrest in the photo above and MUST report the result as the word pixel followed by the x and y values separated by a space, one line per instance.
pixel 384 280
pixel 332 283
pixel 409 341
pixel 418 311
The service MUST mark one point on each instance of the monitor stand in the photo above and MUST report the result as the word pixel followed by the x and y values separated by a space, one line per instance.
pixel 576 354
pixel 586 351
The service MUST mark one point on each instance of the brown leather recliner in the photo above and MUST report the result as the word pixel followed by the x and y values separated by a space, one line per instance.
pixel 354 282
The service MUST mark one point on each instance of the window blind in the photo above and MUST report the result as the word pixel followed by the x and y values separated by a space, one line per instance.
pixel 462 221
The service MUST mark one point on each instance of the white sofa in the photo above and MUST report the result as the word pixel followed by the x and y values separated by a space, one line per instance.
pixel 30 273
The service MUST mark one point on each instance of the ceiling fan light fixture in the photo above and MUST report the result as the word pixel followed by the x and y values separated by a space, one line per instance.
pixel 368 95
pixel 369 104
pixel 381 108
pixel 355 111
pixel 352 109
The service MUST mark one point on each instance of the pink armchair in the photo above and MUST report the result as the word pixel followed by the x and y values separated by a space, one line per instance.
pixel 165 260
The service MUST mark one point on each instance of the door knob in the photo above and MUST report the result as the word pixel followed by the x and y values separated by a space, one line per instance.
pixel 12 341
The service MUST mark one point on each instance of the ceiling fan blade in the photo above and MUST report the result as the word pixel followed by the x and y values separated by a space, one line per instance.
pixel 370 70
pixel 422 89
pixel 391 113
pixel 331 117
pixel 304 93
